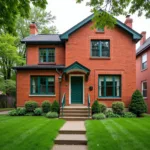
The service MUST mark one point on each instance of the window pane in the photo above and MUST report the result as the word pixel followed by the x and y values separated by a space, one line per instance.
pixel 42 55
pixel 101 86
pixel 109 86
pixel 117 86
pixel 51 86
pixel 105 48
pixel 51 55
pixel 144 89
pixel 144 58
pixel 43 85
pixel 34 85
pixel 145 85
pixel 144 65
pixel 95 48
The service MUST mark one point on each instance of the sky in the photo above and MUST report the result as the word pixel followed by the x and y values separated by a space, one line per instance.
pixel 68 13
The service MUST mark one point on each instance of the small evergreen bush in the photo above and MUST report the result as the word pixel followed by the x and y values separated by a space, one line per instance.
pixel 95 107
pixel 110 114
pixel 102 108
pixel 99 116
pixel 52 115
pixel 55 107
pixel 30 106
pixel 118 107
pixel 38 112
pixel 128 115
pixel 21 111
pixel 46 106
pixel 137 105
pixel 13 112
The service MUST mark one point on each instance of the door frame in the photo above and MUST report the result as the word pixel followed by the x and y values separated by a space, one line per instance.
pixel 75 75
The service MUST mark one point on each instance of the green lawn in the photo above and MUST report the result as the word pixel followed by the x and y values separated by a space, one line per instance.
pixel 119 134
pixel 28 133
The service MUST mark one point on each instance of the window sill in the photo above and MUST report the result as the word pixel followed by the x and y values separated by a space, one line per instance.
pixel 47 63
pixel 109 98
pixel 42 95
pixel 144 69
pixel 100 58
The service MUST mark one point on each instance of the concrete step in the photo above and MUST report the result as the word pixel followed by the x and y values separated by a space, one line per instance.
pixel 74 111
pixel 71 139
pixel 74 108
pixel 75 114
pixel 69 147
pixel 75 118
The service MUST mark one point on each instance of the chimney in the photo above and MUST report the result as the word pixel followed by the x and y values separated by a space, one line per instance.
pixel 128 21
pixel 33 28
pixel 143 39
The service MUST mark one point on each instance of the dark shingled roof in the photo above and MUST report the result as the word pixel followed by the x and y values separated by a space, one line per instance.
pixel 143 47
pixel 39 67
pixel 42 38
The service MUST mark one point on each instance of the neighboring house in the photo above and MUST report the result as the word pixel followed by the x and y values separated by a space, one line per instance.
pixel 142 68
pixel 79 62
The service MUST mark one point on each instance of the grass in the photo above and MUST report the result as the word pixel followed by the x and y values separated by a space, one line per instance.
pixel 28 132
pixel 119 134
pixel 6 109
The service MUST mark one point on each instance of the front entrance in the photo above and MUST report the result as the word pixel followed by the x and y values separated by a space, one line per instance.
pixel 76 90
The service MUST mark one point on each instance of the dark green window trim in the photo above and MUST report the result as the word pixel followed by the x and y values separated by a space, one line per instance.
pixel 36 86
pixel 98 50
pixel 49 55
pixel 104 87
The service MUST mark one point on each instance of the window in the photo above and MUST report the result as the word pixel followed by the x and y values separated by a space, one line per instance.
pixel 100 48
pixel 144 89
pixel 43 85
pixel 109 86
pixel 47 55
pixel 144 61
pixel 100 29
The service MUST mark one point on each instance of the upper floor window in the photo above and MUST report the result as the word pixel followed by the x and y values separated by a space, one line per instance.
pixel 100 48
pixel 144 89
pixel 144 61
pixel 47 55
pixel 100 30
pixel 109 86
pixel 43 85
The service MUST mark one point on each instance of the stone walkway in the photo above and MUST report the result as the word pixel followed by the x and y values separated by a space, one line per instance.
pixel 4 112
pixel 72 136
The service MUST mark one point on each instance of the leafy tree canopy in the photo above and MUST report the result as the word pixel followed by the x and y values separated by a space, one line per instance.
pixel 10 9
pixel 112 8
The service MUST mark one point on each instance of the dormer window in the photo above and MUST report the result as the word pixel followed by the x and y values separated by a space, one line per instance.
pixel 47 55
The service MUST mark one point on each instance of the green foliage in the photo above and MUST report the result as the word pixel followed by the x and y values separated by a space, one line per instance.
pixel 55 107
pixel 110 114
pixel 118 107
pixel 95 107
pixel 13 113
pixel 137 105
pixel 46 106
pixel 11 9
pixel 99 116
pixel 29 114
pixel 52 115
pixel 17 112
pixel 38 112
pixel 102 108
pixel 31 106
pixel 128 115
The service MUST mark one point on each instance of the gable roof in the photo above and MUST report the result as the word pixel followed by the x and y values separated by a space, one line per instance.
pixel 143 47
pixel 135 35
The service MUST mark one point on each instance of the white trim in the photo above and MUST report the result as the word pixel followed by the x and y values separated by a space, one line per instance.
pixel 42 95
pixel 70 85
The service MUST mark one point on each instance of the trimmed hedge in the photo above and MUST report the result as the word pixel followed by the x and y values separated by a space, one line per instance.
pixel 18 112
pixel 95 107
pixel 118 107
pixel 55 107
pixel 128 115
pixel 110 114
pixel 31 106
pixel 38 111
pixel 52 115
pixel 103 108
pixel 99 116
pixel 46 106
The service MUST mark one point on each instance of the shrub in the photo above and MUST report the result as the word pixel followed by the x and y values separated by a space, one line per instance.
pixel 95 107
pixel 29 114
pixel 118 107
pixel 13 112
pixel 46 106
pixel 137 105
pixel 21 111
pixel 38 112
pixel 30 106
pixel 102 108
pixel 99 116
pixel 110 114
pixel 55 107
pixel 128 115
pixel 52 115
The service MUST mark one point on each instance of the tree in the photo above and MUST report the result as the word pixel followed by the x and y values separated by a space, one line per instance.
pixel 104 10
pixel 9 56
pixel 44 21
pixel 137 105
pixel 10 9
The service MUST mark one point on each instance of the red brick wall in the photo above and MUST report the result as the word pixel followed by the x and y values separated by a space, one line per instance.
pixel 33 54
pixel 143 75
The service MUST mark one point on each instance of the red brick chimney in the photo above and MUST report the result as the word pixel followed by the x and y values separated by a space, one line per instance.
pixel 143 39
pixel 128 21
pixel 33 28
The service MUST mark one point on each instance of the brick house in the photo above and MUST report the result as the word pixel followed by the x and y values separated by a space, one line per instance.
pixel 142 70
pixel 79 62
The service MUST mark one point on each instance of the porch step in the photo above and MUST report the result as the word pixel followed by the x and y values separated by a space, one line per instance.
pixel 71 139
pixel 74 114
pixel 71 118
pixel 74 111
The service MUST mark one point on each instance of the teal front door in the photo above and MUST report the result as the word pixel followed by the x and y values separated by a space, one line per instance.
pixel 76 90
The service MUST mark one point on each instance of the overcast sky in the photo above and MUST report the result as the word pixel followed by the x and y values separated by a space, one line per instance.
pixel 68 13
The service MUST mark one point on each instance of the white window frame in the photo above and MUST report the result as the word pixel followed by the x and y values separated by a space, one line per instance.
pixel 145 54
pixel 144 89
